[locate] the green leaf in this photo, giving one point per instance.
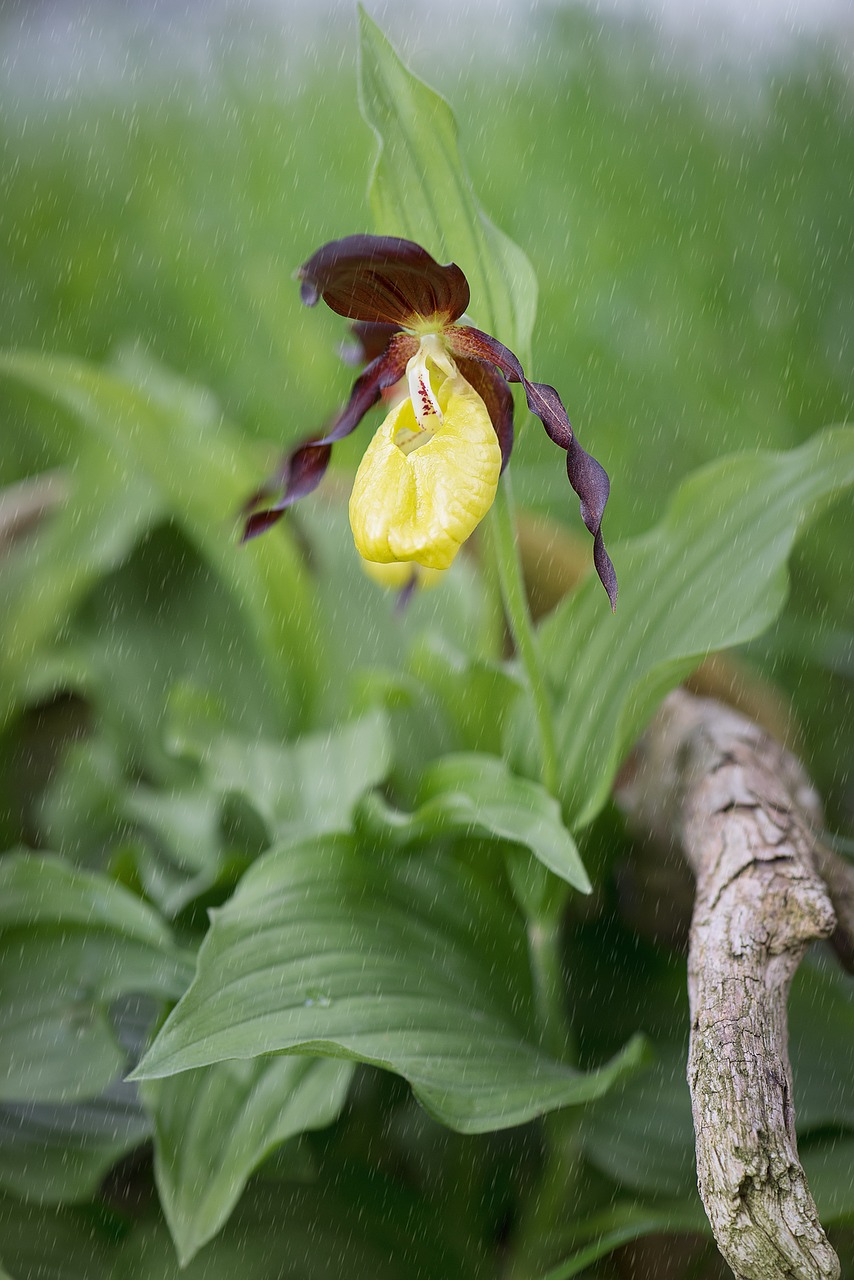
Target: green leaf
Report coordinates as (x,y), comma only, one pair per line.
(420,190)
(173,436)
(477,795)
(214,1126)
(642,1135)
(164,616)
(307,787)
(181,856)
(71,942)
(185,819)
(79,812)
(43,579)
(57,1154)
(620,1226)
(475,696)
(711,575)
(412,964)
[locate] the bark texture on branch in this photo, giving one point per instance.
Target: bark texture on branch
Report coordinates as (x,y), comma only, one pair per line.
(742,809)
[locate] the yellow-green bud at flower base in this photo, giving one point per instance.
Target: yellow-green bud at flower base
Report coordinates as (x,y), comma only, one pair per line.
(399,577)
(433,468)
(429,475)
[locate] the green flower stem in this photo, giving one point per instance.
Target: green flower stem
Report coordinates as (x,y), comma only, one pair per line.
(553,1201)
(506,555)
(493,629)
(544,950)
(554,1204)
(556,1199)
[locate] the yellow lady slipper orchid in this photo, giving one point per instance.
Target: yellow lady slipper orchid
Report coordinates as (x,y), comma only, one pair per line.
(432,470)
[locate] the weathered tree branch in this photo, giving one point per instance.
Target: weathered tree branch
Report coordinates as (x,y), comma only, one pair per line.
(742,810)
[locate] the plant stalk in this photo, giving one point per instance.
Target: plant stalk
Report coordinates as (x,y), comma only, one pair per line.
(506,555)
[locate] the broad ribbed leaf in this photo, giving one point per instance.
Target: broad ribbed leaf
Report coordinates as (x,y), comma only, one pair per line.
(415,964)
(477,795)
(70,944)
(307,787)
(711,575)
(214,1126)
(420,190)
(174,437)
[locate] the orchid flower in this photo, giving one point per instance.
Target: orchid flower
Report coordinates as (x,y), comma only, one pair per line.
(431,472)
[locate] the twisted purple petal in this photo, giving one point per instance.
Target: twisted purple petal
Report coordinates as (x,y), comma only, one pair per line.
(304,467)
(587,477)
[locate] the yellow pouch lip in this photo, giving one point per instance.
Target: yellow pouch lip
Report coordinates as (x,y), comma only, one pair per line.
(421,506)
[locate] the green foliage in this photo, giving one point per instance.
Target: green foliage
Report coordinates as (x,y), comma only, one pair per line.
(214,1126)
(175,438)
(712,575)
(70,944)
(60,1153)
(45,1244)
(335,807)
(94,531)
(477,795)
(383,960)
(309,787)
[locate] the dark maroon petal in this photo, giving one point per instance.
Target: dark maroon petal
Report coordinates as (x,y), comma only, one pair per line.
(383,280)
(368,341)
(498,398)
(542,399)
(300,474)
(383,372)
(587,477)
(590,481)
(304,467)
